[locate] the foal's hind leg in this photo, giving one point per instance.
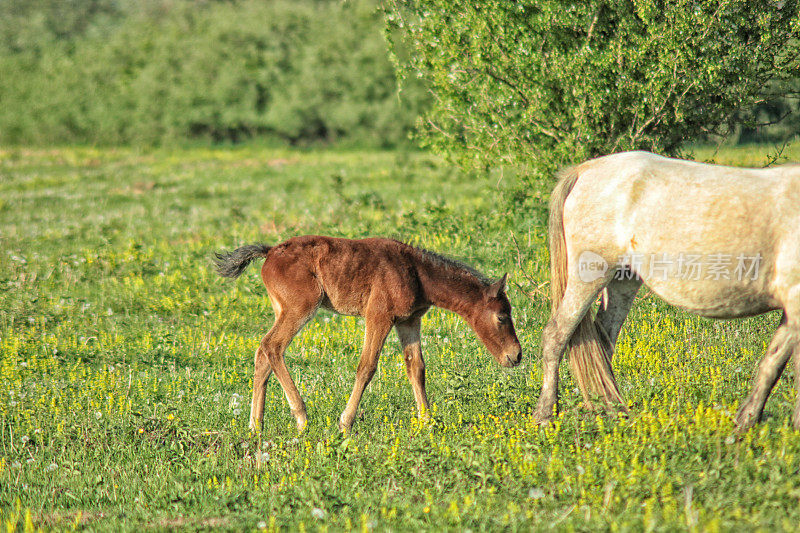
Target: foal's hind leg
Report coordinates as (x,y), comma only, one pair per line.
(260,376)
(377,328)
(274,344)
(295,296)
(617,301)
(577,300)
(409,334)
(770,368)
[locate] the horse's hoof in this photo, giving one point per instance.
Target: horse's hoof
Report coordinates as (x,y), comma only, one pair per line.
(744,421)
(623,413)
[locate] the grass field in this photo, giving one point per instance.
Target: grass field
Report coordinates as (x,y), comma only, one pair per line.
(126,364)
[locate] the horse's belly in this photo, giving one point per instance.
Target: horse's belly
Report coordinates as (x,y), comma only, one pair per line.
(714,299)
(714,284)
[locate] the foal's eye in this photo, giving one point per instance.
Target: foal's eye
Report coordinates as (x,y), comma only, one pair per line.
(503,319)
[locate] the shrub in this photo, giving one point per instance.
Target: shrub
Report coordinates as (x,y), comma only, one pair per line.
(549,82)
(161,72)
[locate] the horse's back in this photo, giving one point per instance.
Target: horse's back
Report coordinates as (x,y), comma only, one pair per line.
(657,213)
(687,202)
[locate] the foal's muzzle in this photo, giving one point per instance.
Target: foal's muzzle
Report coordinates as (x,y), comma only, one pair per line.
(513,358)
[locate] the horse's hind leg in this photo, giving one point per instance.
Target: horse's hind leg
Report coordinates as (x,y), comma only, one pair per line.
(409,334)
(260,376)
(770,368)
(796,417)
(577,301)
(617,300)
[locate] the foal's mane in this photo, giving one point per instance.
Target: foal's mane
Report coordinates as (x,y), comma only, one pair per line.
(448,262)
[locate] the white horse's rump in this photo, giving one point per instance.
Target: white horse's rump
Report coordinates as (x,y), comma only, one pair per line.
(719,241)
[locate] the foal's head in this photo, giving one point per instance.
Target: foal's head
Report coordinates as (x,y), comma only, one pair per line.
(492,322)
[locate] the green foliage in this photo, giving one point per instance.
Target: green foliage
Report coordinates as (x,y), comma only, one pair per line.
(126,366)
(161,72)
(555,81)
(775,120)
(33,25)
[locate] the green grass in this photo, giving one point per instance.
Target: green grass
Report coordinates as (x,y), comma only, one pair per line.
(126,364)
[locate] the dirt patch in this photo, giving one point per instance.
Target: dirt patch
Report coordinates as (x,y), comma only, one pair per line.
(68,519)
(61,519)
(181,521)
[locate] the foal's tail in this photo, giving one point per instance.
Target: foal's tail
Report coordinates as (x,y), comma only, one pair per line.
(232,264)
(589,357)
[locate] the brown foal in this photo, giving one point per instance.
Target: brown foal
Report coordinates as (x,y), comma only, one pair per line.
(387,282)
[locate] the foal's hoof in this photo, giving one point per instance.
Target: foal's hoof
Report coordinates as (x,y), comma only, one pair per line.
(343,425)
(425,418)
(544,413)
(542,419)
(300,417)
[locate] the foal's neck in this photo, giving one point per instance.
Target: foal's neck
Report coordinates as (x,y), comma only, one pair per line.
(450,288)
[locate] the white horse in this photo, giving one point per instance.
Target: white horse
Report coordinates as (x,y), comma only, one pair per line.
(718,241)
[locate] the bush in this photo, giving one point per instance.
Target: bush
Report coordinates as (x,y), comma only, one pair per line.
(161,72)
(555,81)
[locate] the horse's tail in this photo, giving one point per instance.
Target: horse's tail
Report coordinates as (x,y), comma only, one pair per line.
(589,357)
(558,242)
(232,264)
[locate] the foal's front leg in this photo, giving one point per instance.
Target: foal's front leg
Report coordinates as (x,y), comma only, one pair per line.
(377,328)
(409,334)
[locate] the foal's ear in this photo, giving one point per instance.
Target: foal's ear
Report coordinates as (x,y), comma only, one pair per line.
(498,286)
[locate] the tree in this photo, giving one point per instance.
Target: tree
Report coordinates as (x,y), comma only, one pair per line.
(548,82)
